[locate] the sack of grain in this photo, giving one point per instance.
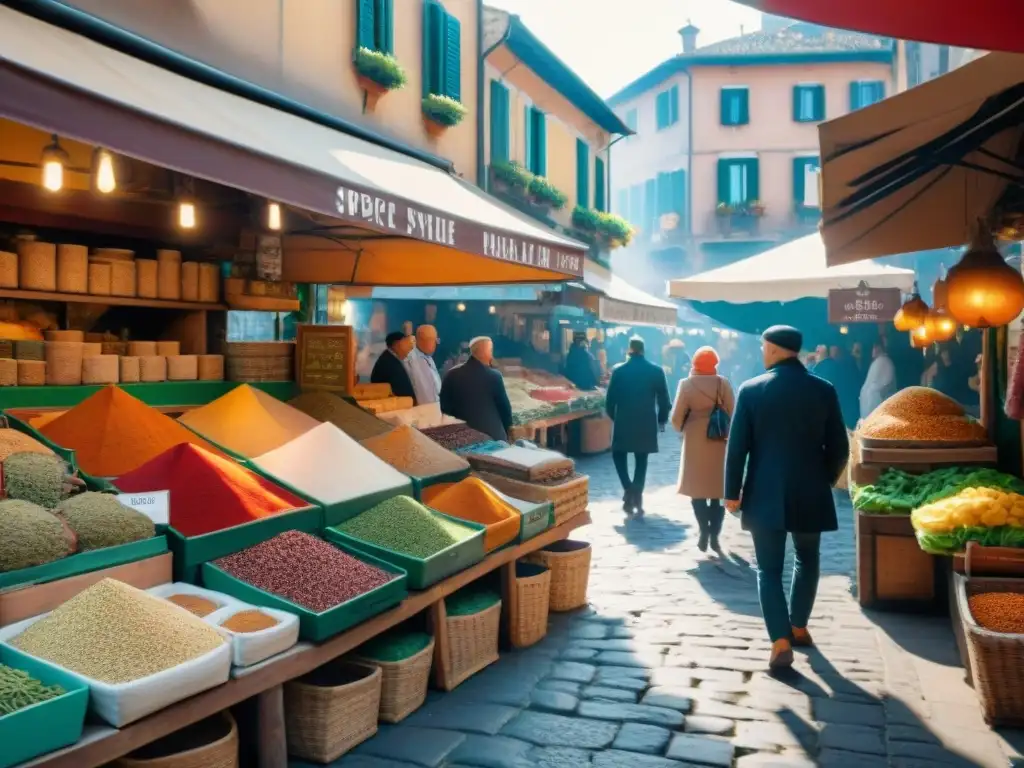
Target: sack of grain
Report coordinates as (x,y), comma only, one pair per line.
(141,348)
(64,363)
(8,269)
(8,372)
(209,283)
(211,368)
(146,278)
(168,269)
(91,349)
(99,278)
(190,281)
(122,278)
(168,348)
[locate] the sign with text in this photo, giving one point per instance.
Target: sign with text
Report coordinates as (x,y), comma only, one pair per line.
(156,505)
(325,357)
(863,305)
(615,311)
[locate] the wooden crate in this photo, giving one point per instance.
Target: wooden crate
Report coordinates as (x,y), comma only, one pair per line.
(892,571)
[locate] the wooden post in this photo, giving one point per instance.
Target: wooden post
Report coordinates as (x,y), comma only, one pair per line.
(271,737)
(439,625)
(508,600)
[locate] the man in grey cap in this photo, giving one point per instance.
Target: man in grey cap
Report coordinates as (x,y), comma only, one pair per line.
(787,447)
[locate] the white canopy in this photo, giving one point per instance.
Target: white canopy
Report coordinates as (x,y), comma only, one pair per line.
(792,271)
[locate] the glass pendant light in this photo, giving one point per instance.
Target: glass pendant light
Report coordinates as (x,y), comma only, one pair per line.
(983,290)
(53,161)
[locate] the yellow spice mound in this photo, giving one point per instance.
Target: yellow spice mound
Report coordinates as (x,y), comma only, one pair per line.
(934,429)
(914,402)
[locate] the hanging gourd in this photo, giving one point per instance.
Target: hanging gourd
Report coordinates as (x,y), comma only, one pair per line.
(983,291)
(938,323)
(912,314)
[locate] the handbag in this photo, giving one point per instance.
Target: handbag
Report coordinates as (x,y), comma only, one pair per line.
(718,421)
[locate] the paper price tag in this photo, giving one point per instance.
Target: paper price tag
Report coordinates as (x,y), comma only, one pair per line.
(156,505)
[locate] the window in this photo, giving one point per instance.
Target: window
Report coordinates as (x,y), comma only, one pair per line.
(632,120)
(375,25)
(582,174)
(737,181)
(801,166)
(735,105)
(442,52)
(866,92)
(499,122)
(622,203)
(647,224)
(535,128)
(667,108)
(636,205)
(599,185)
(672,194)
(808,103)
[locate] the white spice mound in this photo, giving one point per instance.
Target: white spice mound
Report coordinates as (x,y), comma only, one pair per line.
(327,465)
(529,457)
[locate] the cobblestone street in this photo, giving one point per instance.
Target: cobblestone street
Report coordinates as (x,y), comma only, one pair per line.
(666,668)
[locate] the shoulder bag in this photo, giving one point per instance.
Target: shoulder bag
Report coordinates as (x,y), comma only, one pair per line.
(718,421)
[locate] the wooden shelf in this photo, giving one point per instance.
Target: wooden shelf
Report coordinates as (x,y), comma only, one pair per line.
(100,745)
(113,301)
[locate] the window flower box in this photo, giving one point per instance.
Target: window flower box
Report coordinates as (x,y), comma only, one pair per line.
(377,73)
(441,113)
(602,229)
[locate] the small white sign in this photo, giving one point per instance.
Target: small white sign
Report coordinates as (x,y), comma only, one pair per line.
(156,505)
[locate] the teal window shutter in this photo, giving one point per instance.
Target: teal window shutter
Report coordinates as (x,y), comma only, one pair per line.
(622,203)
(452,57)
(540,143)
(661,110)
(636,204)
(600,185)
(753,182)
(855,92)
(798,115)
(650,205)
(879,91)
(744,96)
(365,24)
(723,109)
(385,25)
(664,181)
(528,137)
(677,194)
(799,188)
(499,122)
(673,103)
(724,192)
(433,48)
(631,120)
(582,173)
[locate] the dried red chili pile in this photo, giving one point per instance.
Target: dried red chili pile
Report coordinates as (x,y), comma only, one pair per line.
(999,611)
(552,394)
(304,569)
(455,436)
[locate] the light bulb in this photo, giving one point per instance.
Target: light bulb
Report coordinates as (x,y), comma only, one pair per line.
(492,309)
(461,307)
(274,217)
(106,179)
(54,160)
(186,215)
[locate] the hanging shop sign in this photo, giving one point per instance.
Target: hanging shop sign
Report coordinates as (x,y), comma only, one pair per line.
(614,311)
(863,305)
(325,357)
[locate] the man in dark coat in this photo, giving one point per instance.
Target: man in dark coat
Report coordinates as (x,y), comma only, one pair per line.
(392,365)
(580,365)
(787,447)
(638,404)
(475,392)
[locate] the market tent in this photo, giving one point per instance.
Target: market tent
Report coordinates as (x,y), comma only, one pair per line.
(617,301)
(382,217)
(917,171)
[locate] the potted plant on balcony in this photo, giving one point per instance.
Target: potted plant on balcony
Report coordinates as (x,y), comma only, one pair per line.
(510,177)
(377,73)
(745,217)
(604,229)
(546,195)
(723,214)
(441,113)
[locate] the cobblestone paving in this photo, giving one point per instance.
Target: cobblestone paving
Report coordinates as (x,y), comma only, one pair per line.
(666,668)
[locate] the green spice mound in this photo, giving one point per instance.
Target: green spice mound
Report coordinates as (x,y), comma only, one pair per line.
(470,600)
(18,689)
(101,521)
(405,526)
(29,536)
(394,646)
(35,477)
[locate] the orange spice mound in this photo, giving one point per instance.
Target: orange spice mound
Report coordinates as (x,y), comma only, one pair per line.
(112,433)
(474,500)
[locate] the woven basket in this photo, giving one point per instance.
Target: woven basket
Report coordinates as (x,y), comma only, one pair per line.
(146,278)
(222,753)
(141,348)
(569,563)
(529,621)
(7,349)
(31,373)
(122,278)
(472,645)
(569,497)
(262,349)
(29,350)
(64,335)
(72,269)
(8,269)
(152,368)
(254,369)
(8,372)
(91,349)
(129,370)
(99,278)
(168,348)
(209,283)
(182,368)
(114,348)
(403,683)
(64,363)
(190,281)
(324,722)
(101,369)
(37,265)
(211,368)
(168,275)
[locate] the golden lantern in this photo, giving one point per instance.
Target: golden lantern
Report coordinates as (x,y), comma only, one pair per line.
(939,326)
(912,314)
(919,338)
(983,291)
(940,294)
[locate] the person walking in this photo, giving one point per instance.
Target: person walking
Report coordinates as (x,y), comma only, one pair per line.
(426,381)
(702,465)
(474,392)
(637,402)
(392,367)
(787,446)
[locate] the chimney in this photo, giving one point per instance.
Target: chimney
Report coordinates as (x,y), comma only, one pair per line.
(689,35)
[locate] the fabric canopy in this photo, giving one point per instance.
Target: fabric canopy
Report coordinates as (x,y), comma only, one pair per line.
(796,270)
(917,171)
(432,227)
(620,302)
(983,24)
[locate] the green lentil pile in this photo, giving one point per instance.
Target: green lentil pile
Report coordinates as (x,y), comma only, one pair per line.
(30,536)
(405,526)
(18,690)
(115,633)
(100,520)
(350,419)
(35,477)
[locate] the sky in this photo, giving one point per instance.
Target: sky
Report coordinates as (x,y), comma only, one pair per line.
(635,40)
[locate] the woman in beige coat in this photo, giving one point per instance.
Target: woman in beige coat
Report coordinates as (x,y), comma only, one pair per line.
(702,467)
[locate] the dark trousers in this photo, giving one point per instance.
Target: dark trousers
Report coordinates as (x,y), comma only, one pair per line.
(770,550)
(636,485)
(710,514)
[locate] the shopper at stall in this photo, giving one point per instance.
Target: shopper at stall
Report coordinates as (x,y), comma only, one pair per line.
(580,365)
(880,382)
(787,447)
(392,367)
(475,392)
(702,465)
(637,401)
(426,381)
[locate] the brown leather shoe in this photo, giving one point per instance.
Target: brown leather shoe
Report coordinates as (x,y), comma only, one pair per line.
(782,655)
(802,638)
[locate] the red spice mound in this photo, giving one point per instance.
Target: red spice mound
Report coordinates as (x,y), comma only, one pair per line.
(552,395)
(208,493)
(304,569)
(999,611)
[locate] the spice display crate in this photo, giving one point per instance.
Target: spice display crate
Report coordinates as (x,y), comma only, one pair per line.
(46,726)
(91,483)
(420,483)
(422,571)
(317,627)
(892,571)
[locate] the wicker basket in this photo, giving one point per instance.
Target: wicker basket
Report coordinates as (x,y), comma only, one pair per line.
(7,349)
(152,368)
(8,372)
(114,348)
(211,368)
(37,265)
(31,373)
(528,623)
(190,281)
(101,369)
(29,349)
(168,348)
(182,368)
(569,497)
(569,563)
(141,348)
(122,278)
(168,271)
(64,363)
(72,269)
(129,370)
(221,753)
(324,720)
(8,269)
(99,278)
(146,278)
(91,349)
(472,644)
(64,335)
(403,683)
(209,283)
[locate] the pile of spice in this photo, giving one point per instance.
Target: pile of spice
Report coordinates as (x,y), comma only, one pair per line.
(455,436)
(405,526)
(473,499)
(248,421)
(31,536)
(112,433)
(305,570)
(40,420)
(12,441)
(208,493)
(99,520)
(115,633)
(194,604)
(327,465)
(921,414)
(350,419)
(18,689)
(395,645)
(410,451)
(35,477)
(552,394)
(999,611)
(249,621)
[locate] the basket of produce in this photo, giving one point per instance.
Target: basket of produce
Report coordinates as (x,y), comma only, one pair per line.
(507,520)
(899,493)
(210,743)
(427,545)
(528,623)
(569,563)
(472,619)
(414,454)
(992,517)
(330,586)
(137,652)
(920,417)
(404,660)
(350,419)
(569,497)
(331,710)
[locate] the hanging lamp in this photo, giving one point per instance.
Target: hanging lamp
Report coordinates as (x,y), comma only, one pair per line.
(938,323)
(53,162)
(983,291)
(912,314)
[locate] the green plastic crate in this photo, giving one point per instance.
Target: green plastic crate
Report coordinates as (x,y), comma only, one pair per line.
(317,627)
(43,727)
(423,572)
(537,518)
(92,483)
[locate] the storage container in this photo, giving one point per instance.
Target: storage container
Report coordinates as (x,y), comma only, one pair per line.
(152,368)
(528,622)
(99,278)
(8,269)
(209,283)
(64,362)
(190,281)
(122,278)
(142,348)
(569,563)
(37,265)
(182,368)
(8,372)
(210,743)
(31,373)
(129,369)
(168,282)
(168,348)
(404,683)
(469,644)
(210,368)
(146,278)
(101,369)
(72,269)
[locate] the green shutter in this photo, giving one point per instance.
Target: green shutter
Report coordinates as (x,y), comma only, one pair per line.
(797,114)
(600,185)
(673,105)
(753,180)
(723,181)
(744,107)
(799,165)
(650,205)
(386,31)
(677,194)
(540,142)
(528,137)
(365,30)
(452,57)
(582,174)
(854,95)
(723,107)
(430,16)
(499,122)
(664,181)
(819,102)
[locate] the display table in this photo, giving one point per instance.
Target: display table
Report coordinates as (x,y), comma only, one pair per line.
(100,744)
(537,431)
